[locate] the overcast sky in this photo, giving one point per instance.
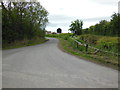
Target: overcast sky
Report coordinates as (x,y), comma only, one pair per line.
(62,12)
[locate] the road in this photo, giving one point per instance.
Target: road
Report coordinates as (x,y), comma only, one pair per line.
(46,66)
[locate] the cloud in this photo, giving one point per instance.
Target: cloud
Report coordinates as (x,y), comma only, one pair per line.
(96,19)
(60,18)
(106,2)
(58,24)
(64,20)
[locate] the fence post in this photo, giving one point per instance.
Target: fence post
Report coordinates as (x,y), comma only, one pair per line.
(73,43)
(77,44)
(86,48)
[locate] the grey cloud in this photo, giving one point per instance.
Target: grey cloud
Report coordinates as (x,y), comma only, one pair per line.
(52,25)
(106,2)
(62,20)
(58,24)
(96,19)
(65,19)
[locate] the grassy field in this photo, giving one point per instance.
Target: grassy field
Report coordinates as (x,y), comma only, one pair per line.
(24,43)
(100,42)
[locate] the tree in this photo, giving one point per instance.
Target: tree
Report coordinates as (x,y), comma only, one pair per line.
(76,27)
(102,27)
(23,20)
(106,28)
(115,24)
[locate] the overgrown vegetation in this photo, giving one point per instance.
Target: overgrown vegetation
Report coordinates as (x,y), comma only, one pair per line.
(22,21)
(101,42)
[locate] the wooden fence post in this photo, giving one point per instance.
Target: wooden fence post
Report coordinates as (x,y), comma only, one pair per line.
(86,48)
(73,43)
(77,45)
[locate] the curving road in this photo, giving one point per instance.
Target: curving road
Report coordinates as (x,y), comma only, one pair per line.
(46,66)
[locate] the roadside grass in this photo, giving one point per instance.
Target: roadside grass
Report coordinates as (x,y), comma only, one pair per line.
(24,43)
(99,58)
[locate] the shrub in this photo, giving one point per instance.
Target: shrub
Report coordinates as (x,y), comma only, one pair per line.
(108,43)
(90,39)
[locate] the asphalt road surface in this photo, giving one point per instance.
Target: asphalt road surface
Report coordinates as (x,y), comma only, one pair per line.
(46,66)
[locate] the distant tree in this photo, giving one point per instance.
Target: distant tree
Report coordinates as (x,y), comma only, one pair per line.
(76,27)
(106,28)
(115,24)
(59,30)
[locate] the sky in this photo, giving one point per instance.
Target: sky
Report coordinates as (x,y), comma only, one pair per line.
(63,12)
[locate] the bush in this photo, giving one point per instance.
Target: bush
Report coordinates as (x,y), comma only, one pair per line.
(90,39)
(108,43)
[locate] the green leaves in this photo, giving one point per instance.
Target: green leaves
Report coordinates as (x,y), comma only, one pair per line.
(76,27)
(106,28)
(23,20)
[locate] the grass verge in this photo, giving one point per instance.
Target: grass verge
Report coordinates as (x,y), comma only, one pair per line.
(100,58)
(24,43)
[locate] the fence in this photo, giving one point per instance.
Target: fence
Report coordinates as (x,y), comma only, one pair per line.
(88,49)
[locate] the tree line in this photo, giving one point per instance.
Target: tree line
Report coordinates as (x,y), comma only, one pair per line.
(23,20)
(104,28)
